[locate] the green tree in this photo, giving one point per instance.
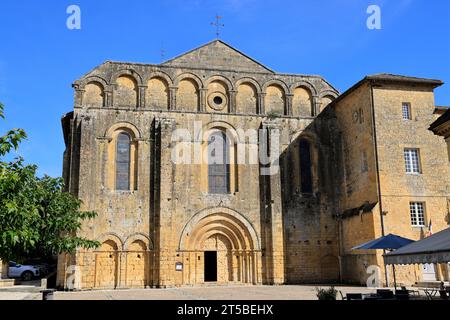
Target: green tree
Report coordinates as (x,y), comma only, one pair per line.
(37,219)
(12,138)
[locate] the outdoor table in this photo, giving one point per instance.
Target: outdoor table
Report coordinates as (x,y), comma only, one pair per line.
(370,296)
(430,292)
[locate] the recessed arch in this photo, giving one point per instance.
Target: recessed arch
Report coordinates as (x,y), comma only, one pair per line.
(188,95)
(333,94)
(138,237)
(248,91)
(83,82)
(304,84)
(275,98)
(326,97)
(94,94)
(122,164)
(217,94)
(312,137)
(325,101)
(248,80)
(161,75)
(276,82)
(233,217)
(126,91)
(125,126)
(305,155)
(112,237)
(130,72)
(232,133)
(218,78)
(189,76)
(212,230)
(157,92)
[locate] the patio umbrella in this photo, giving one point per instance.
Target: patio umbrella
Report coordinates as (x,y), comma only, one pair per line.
(390,242)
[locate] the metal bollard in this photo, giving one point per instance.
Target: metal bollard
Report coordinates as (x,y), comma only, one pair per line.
(48,294)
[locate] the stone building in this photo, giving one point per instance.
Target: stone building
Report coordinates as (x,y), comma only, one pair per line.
(394,172)
(336,167)
(441,126)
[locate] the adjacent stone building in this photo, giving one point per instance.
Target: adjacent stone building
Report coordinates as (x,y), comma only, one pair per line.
(141,151)
(394,173)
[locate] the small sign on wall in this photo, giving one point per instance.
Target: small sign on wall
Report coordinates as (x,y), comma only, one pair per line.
(178,266)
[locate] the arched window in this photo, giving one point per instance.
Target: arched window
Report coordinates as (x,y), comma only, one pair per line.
(306,184)
(123,152)
(218,163)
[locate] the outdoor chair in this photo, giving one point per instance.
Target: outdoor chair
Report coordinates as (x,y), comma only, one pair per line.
(342,295)
(385,294)
(402,294)
(443,294)
(354,296)
(412,292)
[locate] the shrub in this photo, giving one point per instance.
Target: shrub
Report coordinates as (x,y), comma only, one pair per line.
(326,294)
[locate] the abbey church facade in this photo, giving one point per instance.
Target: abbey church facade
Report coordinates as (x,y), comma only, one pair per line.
(346,169)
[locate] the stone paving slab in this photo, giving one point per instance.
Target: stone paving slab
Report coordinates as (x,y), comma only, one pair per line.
(208,293)
(292,292)
(9,295)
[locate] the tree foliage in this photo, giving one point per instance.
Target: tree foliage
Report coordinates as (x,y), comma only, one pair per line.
(12,138)
(37,219)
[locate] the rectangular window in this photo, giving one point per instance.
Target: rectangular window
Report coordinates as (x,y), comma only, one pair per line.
(305,167)
(417,212)
(406,111)
(412,161)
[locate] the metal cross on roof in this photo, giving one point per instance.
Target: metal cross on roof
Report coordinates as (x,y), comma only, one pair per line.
(218,25)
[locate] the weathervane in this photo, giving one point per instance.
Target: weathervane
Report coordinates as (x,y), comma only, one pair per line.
(218,25)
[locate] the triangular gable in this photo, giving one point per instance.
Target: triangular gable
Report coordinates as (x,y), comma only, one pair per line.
(217,55)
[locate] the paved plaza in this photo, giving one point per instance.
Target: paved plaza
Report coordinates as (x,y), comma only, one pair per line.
(291,292)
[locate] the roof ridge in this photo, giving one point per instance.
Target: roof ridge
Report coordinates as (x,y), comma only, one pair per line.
(225,44)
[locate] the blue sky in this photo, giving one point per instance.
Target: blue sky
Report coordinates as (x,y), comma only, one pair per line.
(40,57)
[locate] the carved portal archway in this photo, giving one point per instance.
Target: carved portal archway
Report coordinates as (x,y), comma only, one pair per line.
(232,240)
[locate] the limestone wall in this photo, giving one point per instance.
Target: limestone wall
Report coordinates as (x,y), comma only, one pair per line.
(150,103)
(398,189)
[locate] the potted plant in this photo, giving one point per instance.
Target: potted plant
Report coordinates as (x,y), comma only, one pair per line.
(326,294)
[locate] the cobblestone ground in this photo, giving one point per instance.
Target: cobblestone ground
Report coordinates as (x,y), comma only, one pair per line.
(192,293)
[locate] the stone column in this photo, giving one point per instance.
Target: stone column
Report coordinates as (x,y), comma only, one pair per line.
(78,96)
(289,102)
(173,97)
(122,269)
(202,97)
(141,96)
(261,104)
(317,104)
(232,103)
(242,266)
(249,266)
(165,197)
(107,98)
(274,242)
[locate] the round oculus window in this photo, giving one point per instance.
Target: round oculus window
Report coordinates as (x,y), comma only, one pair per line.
(217,101)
